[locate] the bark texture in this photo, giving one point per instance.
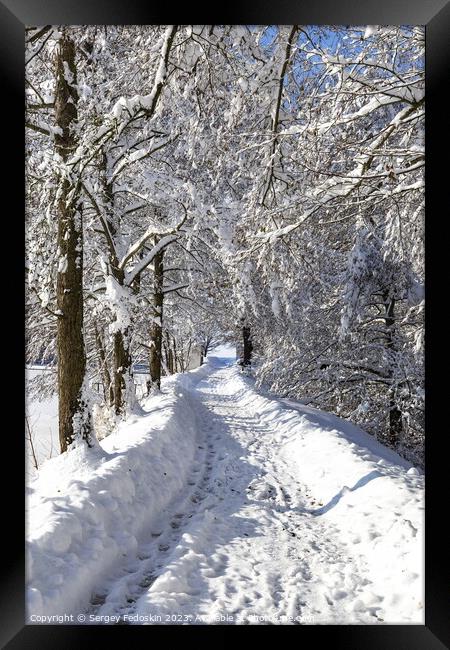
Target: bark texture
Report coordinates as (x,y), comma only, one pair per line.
(248,346)
(156,331)
(395,414)
(74,418)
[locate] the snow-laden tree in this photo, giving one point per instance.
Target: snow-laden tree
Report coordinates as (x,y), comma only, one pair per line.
(131,192)
(74,412)
(264,180)
(337,255)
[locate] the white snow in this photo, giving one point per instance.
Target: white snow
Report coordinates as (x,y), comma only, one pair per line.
(42,424)
(220,504)
(147,259)
(370,30)
(134,104)
(87,508)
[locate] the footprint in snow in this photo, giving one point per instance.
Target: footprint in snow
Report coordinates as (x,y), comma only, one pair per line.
(373,535)
(147,581)
(261,490)
(98,599)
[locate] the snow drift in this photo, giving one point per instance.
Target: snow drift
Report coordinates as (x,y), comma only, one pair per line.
(87,509)
(341,515)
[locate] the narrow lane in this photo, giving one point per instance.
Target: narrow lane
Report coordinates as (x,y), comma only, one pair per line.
(241,544)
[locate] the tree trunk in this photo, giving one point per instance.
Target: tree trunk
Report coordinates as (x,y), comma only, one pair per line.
(175,355)
(156,326)
(395,421)
(186,360)
(123,378)
(248,346)
(74,417)
(108,389)
(395,415)
(123,385)
(169,354)
(206,346)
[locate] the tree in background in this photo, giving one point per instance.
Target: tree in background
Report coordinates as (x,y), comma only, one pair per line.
(263,180)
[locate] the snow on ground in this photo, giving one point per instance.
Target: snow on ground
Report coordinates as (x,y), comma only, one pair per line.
(222,505)
(87,508)
(224,351)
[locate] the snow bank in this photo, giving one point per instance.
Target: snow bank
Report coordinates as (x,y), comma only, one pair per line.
(87,509)
(372,496)
(359,502)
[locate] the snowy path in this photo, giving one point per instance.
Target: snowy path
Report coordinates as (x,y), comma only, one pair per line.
(247,538)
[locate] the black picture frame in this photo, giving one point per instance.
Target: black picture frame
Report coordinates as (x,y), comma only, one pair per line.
(435,15)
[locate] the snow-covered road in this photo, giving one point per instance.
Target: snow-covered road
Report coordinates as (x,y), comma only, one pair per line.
(285,517)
